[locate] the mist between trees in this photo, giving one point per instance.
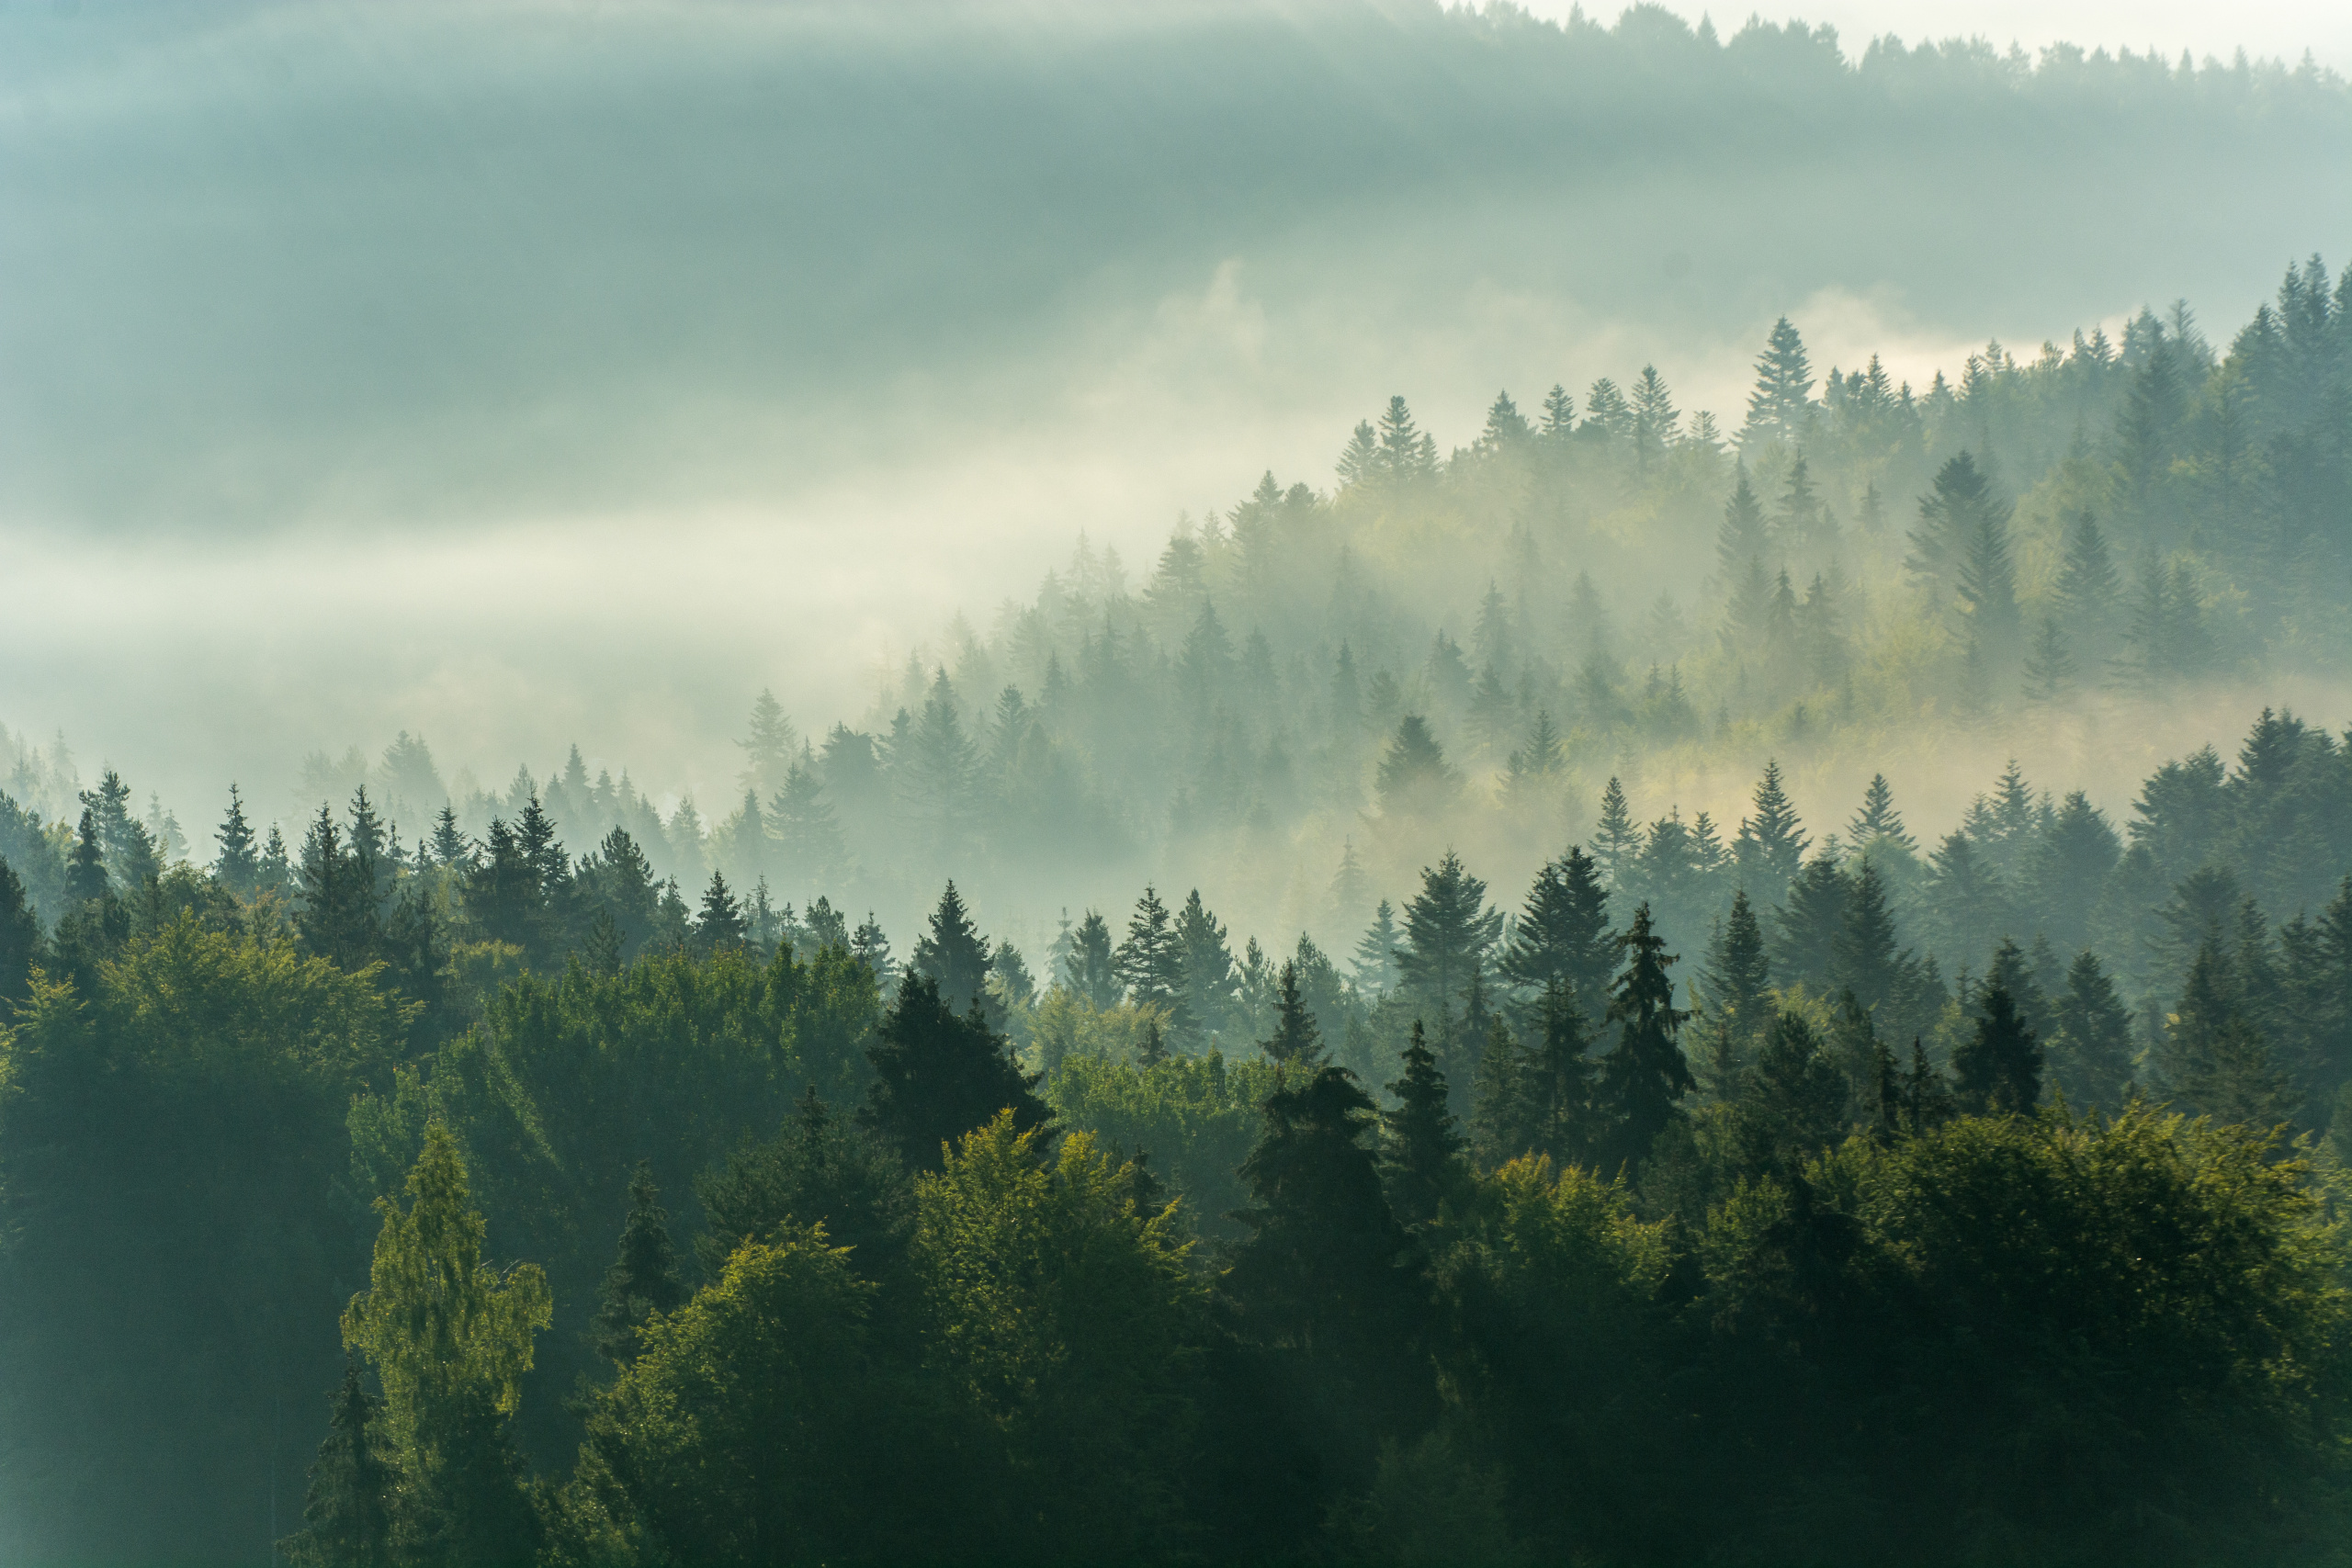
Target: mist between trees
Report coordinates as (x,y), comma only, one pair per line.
(1851,1189)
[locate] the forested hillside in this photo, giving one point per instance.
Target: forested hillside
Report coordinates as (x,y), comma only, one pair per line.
(1570,1142)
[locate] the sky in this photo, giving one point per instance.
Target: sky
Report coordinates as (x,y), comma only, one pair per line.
(526,374)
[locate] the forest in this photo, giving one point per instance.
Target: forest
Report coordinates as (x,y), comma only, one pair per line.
(1644,987)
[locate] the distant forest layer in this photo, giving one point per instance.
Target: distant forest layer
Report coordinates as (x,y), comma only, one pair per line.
(1845,1190)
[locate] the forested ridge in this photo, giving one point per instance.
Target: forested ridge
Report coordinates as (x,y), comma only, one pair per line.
(556,1177)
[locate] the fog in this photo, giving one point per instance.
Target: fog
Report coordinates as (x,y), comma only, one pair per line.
(526,375)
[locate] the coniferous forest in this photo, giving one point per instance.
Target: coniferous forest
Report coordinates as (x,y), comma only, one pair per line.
(1671,1081)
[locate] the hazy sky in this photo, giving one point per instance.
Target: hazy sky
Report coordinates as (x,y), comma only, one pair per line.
(526,374)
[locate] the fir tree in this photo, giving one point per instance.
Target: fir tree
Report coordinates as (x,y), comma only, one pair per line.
(769,750)
(1743,537)
(1807,928)
(1770,848)
(871,948)
(720,923)
(2090,1049)
(1414,778)
(2048,666)
(1088,971)
(1615,839)
(238,865)
(1878,819)
(1997,1069)
(643,1282)
(1421,1152)
(1559,414)
(1793,1102)
(1296,1044)
(938,1074)
(1374,964)
(1448,931)
(86,865)
(21,941)
(954,956)
(1207,965)
(1151,960)
(1644,1075)
(1738,970)
(449,845)
(1563,936)
(1863,958)
(348,1516)
(1781,406)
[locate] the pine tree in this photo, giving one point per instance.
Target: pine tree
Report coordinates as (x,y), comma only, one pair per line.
(1743,537)
(642,1282)
(1505,427)
(449,845)
(1798,518)
(1738,971)
(938,1074)
(21,941)
(1296,1044)
(1985,584)
(2091,1051)
(1414,778)
(1781,406)
(1644,1075)
(820,1168)
(720,925)
(238,865)
(348,1516)
(1151,960)
(1807,928)
(1793,1103)
(1559,414)
(1563,935)
(1088,971)
(1997,1070)
(1878,819)
(277,874)
(1374,964)
(1863,958)
(871,948)
(1657,425)
(86,865)
(1615,839)
(769,750)
(1770,848)
(2049,665)
(1420,1154)
(954,956)
(2088,588)
(1207,965)
(1448,931)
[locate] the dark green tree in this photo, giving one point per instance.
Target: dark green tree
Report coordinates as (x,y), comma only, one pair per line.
(239,863)
(1644,1077)
(1616,840)
(1296,1044)
(1087,969)
(1997,1070)
(1563,936)
(820,1168)
(720,925)
(1770,848)
(938,1074)
(1792,1103)
(1420,1150)
(1863,958)
(20,942)
(643,1282)
(1448,932)
(954,956)
(347,1516)
(1151,960)
(2090,1049)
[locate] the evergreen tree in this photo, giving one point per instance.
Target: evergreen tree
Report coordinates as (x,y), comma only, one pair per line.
(2090,1049)
(769,750)
(1997,1069)
(2214,1058)
(2049,664)
(1559,414)
(1770,848)
(449,845)
(820,1168)
(1088,970)
(1151,961)
(1781,406)
(1296,1044)
(1615,839)
(86,866)
(19,938)
(642,1282)
(1644,1075)
(1738,970)
(1209,979)
(1806,930)
(238,865)
(1421,1152)
(1448,931)
(1563,936)
(871,948)
(720,924)
(2088,588)
(1793,1103)
(1414,778)
(938,1074)
(348,1516)
(1374,964)
(954,956)
(1878,819)
(1743,537)
(1862,958)
(1799,513)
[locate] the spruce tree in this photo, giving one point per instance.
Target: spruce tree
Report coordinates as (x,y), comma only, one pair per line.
(1793,1102)
(19,938)
(239,864)
(1807,927)
(1615,839)
(1421,1151)
(1878,819)
(450,847)
(1448,931)
(820,1168)
(1415,779)
(871,948)
(2049,664)
(1562,936)
(1374,964)
(1770,848)
(954,956)
(347,1516)
(1644,1075)
(1087,970)
(720,925)
(1863,958)
(643,1282)
(1781,405)
(938,1074)
(1296,1044)
(1997,1070)
(1209,980)
(1738,970)
(85,863)
(2090,1049)
(1743,537)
